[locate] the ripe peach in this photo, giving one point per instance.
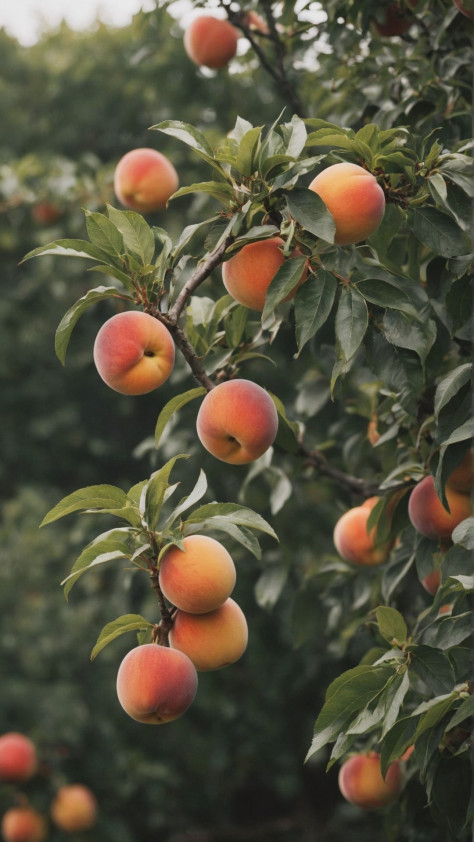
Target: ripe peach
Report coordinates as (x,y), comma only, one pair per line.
(361,782)
(249,273)
(428,514)
(352,540)
(237,421)
(74,807)
(353,197)
(18,758)
(211,41)
(23,824)
(200,578)
(144,179)
(156,684)
(133,353)
(461,478)
(211,640)
(432,581)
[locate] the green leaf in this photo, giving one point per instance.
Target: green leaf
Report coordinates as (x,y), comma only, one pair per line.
(464,534)
(269,586)
(70,319)
(218,189)
(172,406)
(241,535)
(283,283)
(90,498)
(156,491)
(405,332)
(391,625)
(109,546)
(104,234)
(196,494)
(191,137)
(396,741)
(137,235)
(351,323)
(464,711)
(233,513)
(433,667)
(123,624)
(450,386)
(451,795)
(433,711)
(387,295)
(248,147)
(307,208)
(70,248)
(438,231)
(313,304)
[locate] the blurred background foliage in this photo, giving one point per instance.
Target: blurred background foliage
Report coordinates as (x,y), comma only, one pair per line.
(232,768)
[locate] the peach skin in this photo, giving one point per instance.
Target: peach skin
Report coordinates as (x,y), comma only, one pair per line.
(460,479)
(156,684)
(200,578)
(18,758)
(352,540)
(354,198)
(211,41)
(23,824)
(237,421)
(74,808)
(361,782)
(133,353)
(248,274)
(212,640)
(144,179)
(427,513)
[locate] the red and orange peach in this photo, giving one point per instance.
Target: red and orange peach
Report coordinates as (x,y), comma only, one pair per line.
(23,824)
(353,197)
(248,274)
(200,577)
(361,782)
(18,757)
(212,640)
(354,542)
(429,516)
(74,808)
(211,41)
(144,180)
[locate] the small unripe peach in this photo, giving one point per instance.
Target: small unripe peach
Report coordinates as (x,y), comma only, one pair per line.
(237,421)
(23,824)
(211,41)
(212,640)
(427,513)
(354,198)
(144,179)
(361,782)
(248,274)
(354,542)
(200,577)
(134,353)
(156,684)
(74,808)
(18,758)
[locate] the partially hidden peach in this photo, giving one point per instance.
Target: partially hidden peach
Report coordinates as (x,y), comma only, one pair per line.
(212,640)
(353,197)
(429,516)
(18,757)
(465,7)
(211,41)
(394,19)
(23,824)
(237,421)
(432,581)
(134,353)
(156,684)
(144,179)
(361,782)
(74,808)
(460,479)
(200,577)
(354,542)
(248,274)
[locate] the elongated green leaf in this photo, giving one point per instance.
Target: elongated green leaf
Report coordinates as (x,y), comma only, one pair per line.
(438,231)
(248,149)
(172,406)
(218,189)
(450,386)
(464,711)
(433,667)
(387,295)
(404,332)
(397,740)
(310,211)
(269,586)
(313,304)
(233,513)
(191,137)
(196,494)
(70,248)
(90,498)
(351,323)
(123,624)
(109,546)
(242,535)
(433,712)
(104,234)
(156,491)
(70,319)
(283,283)
(137,235)
(391,625)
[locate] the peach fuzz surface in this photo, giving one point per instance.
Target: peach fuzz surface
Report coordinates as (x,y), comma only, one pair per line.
(23,824)
(18,758)
(352,540)
(212,640)
(427,513)
(361,782)
(200,577)
(237,421)
(133,353)
(144,179)
(156,684)
(211,41)
(353,197)
(248,274)
(74,808)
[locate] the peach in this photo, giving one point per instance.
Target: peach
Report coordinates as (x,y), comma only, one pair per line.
(45,212)
(361,782)
(144,179)
(248,274)
(464,7)
(18,758)
(256,22)
(74,808)
(461,478)
(212,640)
(395,19)
(200,577)
(352,540)
(407,753)
(133,353)
(156,684)
(354,198)
(23,824)
(432,581)
(211,41)
(237,421)
(429,516)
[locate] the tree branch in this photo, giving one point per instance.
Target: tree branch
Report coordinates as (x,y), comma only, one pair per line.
(203,271)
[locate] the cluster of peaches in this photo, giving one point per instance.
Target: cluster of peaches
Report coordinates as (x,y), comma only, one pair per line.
(73,808)
(157,683)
